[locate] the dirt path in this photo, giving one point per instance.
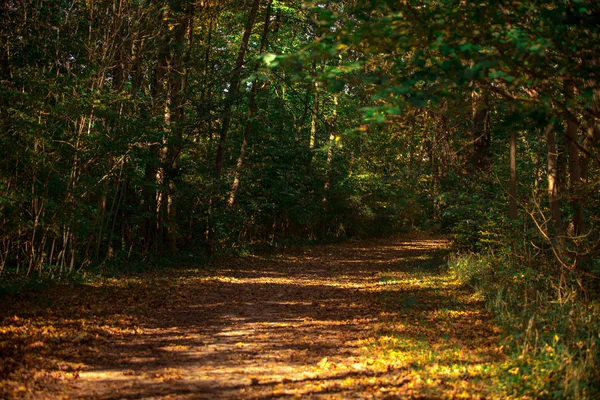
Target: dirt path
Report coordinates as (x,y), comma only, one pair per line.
(369,319)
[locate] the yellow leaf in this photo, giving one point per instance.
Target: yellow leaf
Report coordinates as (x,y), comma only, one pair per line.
(323,363)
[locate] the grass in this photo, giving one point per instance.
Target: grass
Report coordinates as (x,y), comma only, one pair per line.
(551,333)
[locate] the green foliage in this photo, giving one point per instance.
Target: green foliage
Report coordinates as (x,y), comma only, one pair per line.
(361,118)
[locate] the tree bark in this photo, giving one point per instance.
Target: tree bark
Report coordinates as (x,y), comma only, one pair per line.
(226,122)
(234,89)
(512,191)
(169,88)
(592,133)
(252,109)
(177,85)
(481,131)
(590,142)
(553,182)
(441,154)
(332,138)
(574,166)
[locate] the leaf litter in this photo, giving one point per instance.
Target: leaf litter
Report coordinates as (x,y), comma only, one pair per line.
(363,319)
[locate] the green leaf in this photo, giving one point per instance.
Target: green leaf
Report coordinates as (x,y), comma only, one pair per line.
(393,110)
(270,60)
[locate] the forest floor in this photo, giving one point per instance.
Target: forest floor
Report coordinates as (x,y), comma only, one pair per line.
(363,319)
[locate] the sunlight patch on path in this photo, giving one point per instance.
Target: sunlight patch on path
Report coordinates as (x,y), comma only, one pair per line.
(369,319)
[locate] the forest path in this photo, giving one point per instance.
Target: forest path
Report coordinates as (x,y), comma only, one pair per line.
(363,319)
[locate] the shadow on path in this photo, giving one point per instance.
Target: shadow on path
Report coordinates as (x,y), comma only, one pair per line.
(357,320)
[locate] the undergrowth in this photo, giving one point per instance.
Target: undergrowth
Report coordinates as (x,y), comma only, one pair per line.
(551,324)
(17,283)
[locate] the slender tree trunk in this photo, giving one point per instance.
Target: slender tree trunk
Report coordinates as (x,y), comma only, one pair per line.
(177,85)
(312,143)
(307,104)
(441,151)
(512,191)
(332,138)
(553,182)
(590,141)
(153,174)
(592,134)
(252,109)
(481,131)
(205,91)
(306,109)
(574,166)
(234,89)
(159,149)
(226,123)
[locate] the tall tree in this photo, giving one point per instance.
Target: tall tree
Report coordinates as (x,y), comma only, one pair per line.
(252,110)
(233,89)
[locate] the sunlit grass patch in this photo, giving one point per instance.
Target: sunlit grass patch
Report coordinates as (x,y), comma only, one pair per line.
(418,280)
(435,369)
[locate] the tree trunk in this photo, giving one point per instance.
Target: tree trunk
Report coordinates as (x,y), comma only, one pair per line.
(512,191)
(169,88)
(312,143)
(592,134)
(234,89)
(226,122)
(590,142)
(481,131)
(553,182)
(574,166)
(252,108)
(332,139)
(441,154)
(177,85)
